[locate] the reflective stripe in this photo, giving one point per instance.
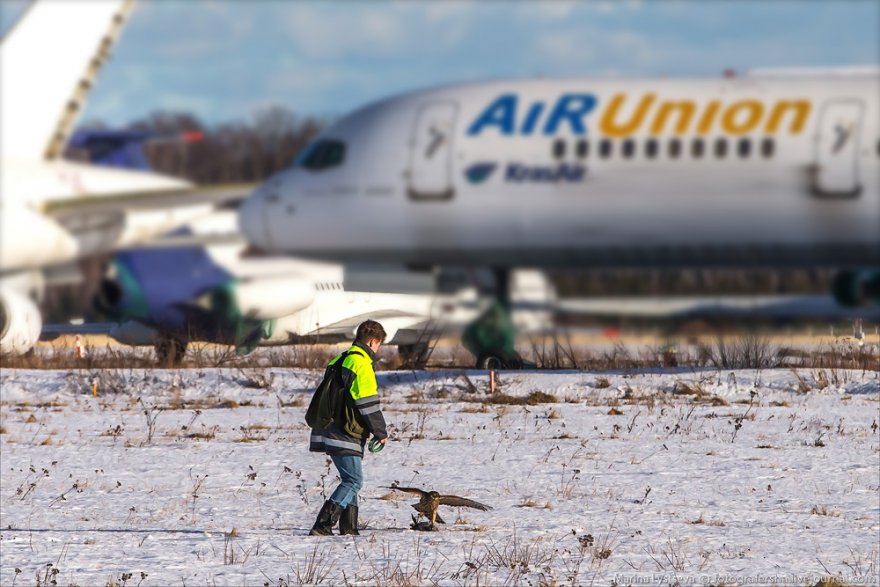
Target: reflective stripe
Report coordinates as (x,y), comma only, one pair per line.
(343,444)
(366,401)
(315,439)
(369,410)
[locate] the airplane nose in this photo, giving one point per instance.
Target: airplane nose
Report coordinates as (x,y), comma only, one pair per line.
(252,220)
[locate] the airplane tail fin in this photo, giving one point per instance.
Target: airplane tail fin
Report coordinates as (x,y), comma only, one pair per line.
(50,59)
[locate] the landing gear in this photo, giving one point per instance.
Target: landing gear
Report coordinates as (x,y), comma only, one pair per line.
(498,359)
(414,355)
(169,350)
(492,335)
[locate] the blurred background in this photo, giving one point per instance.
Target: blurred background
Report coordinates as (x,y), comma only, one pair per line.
(227,92)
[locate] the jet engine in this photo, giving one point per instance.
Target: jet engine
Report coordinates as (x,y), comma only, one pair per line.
(20,323)
(856,288)
(271,298)
(194,299)
(29,239)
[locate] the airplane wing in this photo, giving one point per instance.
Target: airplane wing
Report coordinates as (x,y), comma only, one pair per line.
(392,321)
(223,196)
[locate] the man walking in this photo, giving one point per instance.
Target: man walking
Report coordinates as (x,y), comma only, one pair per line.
(341,428)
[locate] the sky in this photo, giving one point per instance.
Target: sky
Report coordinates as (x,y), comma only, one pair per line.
(225,60)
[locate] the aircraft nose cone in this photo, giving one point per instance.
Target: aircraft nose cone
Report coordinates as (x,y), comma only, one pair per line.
(252,221)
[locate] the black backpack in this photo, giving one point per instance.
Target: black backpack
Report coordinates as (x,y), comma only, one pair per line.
(327,400)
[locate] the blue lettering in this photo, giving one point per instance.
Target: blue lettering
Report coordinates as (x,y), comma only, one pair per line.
(570,107)
(515,172)
(501,113)
(532,118)
(563,173)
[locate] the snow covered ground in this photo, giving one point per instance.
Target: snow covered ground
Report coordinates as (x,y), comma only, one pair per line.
(201,477)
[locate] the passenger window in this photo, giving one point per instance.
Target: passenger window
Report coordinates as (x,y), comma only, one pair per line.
(651,148)
(721,148)
(674,148)
(767,147)
(744,148)
(629,147)
(559,148)
(583,148)
(698,147)
(605,148)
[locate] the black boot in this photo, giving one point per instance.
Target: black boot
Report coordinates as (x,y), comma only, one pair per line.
(348,523)
(327,518)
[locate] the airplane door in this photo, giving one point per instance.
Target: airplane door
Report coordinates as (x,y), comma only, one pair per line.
(430,167)
(837,149)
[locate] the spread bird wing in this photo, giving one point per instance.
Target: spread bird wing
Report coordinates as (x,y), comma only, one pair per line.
(457,501)
(409,489)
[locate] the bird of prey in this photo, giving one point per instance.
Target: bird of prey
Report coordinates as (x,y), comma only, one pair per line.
(429,501)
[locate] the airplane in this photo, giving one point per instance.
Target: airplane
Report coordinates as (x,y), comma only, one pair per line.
(769,169)
(169,295)
(54,211)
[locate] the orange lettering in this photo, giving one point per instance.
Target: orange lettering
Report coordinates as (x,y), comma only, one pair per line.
(708,117)
(610,127)
(730,123)
(684,110)
(801,109)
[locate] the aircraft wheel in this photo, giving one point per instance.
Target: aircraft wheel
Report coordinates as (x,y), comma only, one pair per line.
(169,350)
(413,355)
(499,360)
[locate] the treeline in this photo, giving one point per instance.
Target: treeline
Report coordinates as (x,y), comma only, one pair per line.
(235,152)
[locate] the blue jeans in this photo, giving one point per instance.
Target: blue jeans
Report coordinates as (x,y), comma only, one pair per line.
(352,475)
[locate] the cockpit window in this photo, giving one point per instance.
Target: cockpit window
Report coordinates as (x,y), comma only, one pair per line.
(322,155)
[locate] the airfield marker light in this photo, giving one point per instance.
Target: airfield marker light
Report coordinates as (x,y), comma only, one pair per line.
(78,350)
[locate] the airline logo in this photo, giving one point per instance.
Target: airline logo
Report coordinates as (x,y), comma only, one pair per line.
(625,115)
(479,172)
(522,173)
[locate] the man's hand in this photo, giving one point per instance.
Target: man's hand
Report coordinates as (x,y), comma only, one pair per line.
(384,440)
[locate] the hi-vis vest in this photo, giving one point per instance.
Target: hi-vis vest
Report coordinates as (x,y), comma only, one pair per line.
(356,413)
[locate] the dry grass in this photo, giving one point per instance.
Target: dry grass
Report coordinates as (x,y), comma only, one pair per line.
(474,409)
(688,388)
(203,435)
(824,510)
(601,383)
(199,355)
(531,503)
(702,520)
(533,399)
(829,582)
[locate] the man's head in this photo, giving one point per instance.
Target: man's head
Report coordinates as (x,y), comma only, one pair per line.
(371,334)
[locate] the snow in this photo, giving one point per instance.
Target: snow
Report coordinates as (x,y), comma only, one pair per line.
(198,477)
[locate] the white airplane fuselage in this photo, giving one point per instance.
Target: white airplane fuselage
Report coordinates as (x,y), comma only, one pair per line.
(758,170)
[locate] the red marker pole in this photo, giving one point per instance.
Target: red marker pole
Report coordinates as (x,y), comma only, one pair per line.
(492,381)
